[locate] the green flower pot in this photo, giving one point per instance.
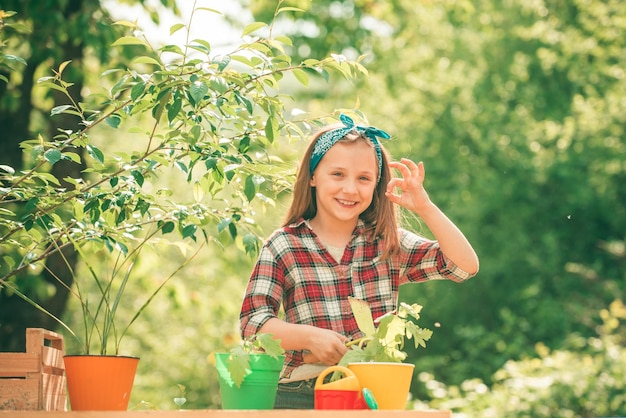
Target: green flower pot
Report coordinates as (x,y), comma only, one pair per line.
(258,390)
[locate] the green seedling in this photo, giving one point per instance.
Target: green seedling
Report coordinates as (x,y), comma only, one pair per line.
(238,363)
(181,399)
(385,342)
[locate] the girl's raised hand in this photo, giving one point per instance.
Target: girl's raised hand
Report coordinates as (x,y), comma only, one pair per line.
(412,194)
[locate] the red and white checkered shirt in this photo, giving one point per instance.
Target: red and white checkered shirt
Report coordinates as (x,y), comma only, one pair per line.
(295,269)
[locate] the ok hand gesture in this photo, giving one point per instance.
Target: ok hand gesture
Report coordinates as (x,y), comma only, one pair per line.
(412,194)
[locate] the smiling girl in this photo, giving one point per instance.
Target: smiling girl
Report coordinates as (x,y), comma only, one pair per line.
(341,238)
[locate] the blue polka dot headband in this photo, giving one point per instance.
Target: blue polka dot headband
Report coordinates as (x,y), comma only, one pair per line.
(330,138)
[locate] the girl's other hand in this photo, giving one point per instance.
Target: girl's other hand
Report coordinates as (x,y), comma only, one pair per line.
(326,346)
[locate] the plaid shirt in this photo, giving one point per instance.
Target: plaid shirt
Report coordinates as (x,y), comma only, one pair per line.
(295,269)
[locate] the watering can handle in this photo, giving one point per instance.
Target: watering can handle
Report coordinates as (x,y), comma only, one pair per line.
(320,379)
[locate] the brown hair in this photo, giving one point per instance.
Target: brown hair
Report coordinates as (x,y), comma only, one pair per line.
(379,218)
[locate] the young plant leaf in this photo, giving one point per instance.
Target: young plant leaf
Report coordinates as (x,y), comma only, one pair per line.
(363,315)
(238,365)
(270,345)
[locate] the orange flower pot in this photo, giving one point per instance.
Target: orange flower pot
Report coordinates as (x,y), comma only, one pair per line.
(100,383)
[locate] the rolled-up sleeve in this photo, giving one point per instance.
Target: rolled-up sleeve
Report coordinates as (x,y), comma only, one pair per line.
(423,260)
(263,294)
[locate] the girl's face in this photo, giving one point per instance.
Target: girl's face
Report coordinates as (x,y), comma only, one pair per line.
(344,181)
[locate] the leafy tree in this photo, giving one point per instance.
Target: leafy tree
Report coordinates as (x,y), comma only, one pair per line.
(215,119)
(40,35)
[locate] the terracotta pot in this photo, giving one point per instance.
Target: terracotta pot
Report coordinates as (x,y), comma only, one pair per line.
(100,383)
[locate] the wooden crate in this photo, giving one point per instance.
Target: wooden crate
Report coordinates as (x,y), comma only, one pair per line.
(34,380)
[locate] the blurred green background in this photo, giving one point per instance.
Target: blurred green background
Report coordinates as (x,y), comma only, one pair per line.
(518,110)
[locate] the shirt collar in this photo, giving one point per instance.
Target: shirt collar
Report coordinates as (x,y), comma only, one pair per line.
(360,226)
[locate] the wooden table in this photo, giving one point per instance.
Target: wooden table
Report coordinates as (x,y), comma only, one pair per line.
(217,413)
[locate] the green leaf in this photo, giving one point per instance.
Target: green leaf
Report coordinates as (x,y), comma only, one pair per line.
(270,130)
(223,224)
(31,205)
(284,39)
(7,168)
(57,110)
(203,45)
(142,206)
(53,156)
(211,163)
(222,61)
(363,315)
(113,121)
(242,99)
(355,355)
(238,366)
(71,156)
(48,178)
(14,59)
(175,28)
(232,229)
(174,108)
(252,27)
(95,153)
(181,165)
(208,9)
(129,40)
(244,144)
(138,177)
(196,132)
(419,335)
(198,90)
(146,60)
(9,262)
(174,49)
(394,330)
(189,231)
(405,310)
(198,191)
(219,84)
(167,227)
(249,188)
(137,90)
(289,9)
(250,243)
(164,98)
(90,205)
(125,23)
(270,345)
(62,66)
(301,76)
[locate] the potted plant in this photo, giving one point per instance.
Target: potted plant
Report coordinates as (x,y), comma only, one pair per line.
(99,377)
(377,357)
(249,373)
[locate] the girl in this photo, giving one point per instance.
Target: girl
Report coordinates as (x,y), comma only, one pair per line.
(340,238)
